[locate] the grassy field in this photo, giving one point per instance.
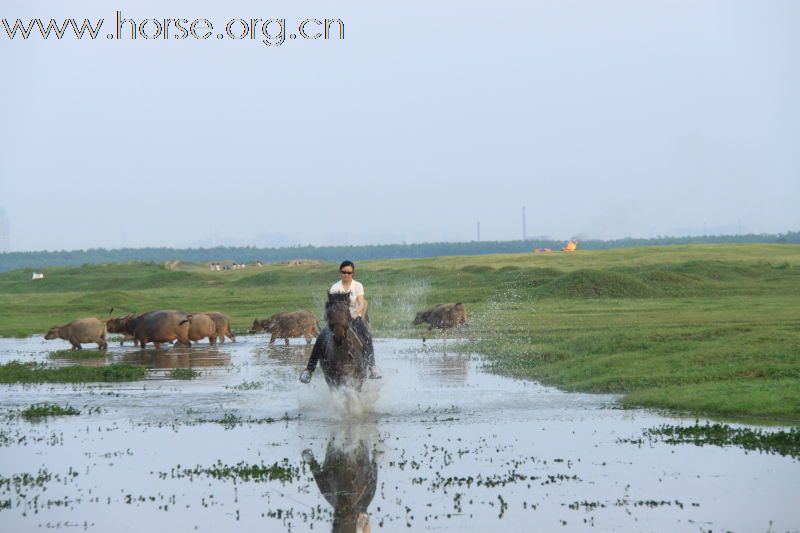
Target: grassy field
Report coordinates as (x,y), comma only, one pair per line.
(711,329)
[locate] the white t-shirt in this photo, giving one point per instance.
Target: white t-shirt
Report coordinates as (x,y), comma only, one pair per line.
(356,290)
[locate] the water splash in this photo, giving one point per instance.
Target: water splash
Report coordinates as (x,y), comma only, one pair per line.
(407,298)
(343,403)
(349,402)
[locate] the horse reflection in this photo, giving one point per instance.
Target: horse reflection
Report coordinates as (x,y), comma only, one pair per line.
(347,478)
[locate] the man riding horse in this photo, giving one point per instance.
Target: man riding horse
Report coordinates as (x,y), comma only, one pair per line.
(358,310)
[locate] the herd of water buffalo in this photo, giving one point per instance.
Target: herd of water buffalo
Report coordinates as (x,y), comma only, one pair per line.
(159,327)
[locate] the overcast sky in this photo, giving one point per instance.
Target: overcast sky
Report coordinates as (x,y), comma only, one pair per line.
(604,118)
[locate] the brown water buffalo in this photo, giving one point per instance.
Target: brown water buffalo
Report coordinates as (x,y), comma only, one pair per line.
(443,316)
(201,326)
(287,325)
(158,327)
(81,330)
(223,324)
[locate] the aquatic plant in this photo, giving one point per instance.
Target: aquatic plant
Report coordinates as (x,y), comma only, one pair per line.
(247,385)
(42,410)
(231,420)
(17,372)
(240,472)
(77,354)
(183,373)
(781,442)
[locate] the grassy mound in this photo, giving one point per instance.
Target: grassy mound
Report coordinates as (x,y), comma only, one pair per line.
(596,284)
(477,269)
(106,300)
(718,270)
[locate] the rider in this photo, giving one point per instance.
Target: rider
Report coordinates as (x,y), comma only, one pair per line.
(358,310)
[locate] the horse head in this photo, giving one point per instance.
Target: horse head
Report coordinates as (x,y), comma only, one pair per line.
(337,314)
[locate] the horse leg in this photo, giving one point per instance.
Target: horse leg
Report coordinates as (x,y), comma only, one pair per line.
(318,351)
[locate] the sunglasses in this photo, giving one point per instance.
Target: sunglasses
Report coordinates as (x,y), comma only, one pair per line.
(347,272)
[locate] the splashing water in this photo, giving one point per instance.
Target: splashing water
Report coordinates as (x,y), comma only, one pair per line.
(349,402)
(343,403)
(407,299)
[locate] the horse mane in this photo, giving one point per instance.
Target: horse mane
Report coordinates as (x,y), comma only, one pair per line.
(336,297)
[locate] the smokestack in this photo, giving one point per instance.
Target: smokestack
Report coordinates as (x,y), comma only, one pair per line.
(524,228)
(479,232)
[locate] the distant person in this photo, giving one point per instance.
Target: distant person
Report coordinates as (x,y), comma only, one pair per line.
(358,310)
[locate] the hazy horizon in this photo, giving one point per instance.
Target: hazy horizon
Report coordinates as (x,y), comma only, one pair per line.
(605,120)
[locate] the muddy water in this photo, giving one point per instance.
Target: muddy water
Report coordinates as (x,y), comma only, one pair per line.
(437,444)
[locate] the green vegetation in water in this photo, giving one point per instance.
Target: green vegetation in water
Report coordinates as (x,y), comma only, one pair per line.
(231,420)
(48,409)
(240,472)
(17,372)
(21,484)
(77,354)
(247,385)
(779,442)
(183,373)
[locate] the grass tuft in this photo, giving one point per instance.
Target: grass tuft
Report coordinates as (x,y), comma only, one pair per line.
(77,354)
(243,472)
(247,385)
(183,373)
(777,442)
(48,409)
(17,372)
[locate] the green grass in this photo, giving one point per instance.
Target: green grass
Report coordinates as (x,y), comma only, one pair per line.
(247,385)
(779,442)
(16,372)
(711,329)
(183,373)
(77,354)
(48,409)
(243,472)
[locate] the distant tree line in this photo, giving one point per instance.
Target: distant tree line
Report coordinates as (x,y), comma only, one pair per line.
(249,254)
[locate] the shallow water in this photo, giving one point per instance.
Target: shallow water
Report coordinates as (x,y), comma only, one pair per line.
(437,444)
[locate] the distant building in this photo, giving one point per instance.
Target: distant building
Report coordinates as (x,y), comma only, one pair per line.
(5,233)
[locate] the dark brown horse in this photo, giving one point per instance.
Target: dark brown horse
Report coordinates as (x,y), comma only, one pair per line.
(345,361)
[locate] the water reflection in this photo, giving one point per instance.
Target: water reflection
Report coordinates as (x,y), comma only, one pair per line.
(348,476)
(179,357)
(292,355)
(448,370)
